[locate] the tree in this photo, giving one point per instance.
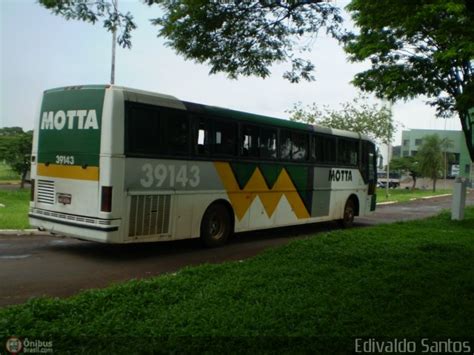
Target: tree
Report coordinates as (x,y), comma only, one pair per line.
(234,37)
(7,135)
(409,164)
(10,131)
(417,48)
(430,157)
(15,150)
(357,116)
(448,158)
(93,11)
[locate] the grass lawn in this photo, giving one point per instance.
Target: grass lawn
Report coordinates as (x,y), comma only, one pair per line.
(403,195)
(7,174)
(406,279)
(15,213)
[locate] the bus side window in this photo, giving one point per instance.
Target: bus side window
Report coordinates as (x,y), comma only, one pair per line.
(299,146)
(325,149)
(364,161)
(319,148)
(177,131)
(312,147)
(225,140)
(330,150)
(144,127)
(250,141)
(348,152)
(202,136)
(354,153)
(372,162)
(285,144)
(268,143)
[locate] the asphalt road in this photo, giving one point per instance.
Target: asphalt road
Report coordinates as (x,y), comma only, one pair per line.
(32,266)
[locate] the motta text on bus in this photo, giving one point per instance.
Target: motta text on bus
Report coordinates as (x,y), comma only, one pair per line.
(340,175)
(71,119)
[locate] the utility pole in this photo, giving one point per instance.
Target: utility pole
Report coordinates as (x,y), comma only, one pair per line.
(387,185)
(389,153)
(114,43)
(444,149)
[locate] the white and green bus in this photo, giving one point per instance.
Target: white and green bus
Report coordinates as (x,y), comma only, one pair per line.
(118,165)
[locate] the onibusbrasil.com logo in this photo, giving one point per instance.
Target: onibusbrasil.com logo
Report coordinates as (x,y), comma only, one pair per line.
(15,345)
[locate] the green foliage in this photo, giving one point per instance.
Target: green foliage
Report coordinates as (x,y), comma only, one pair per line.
(417,48)
(357,116)
(409,165)
(92,12)
(406,164)
(234,37)
(7,174)
(15,149)
(14,214)
(412,279)
(246,38)
(430,157)
(7,135)
(10,131)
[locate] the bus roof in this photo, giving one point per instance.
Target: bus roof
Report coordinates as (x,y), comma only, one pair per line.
(78,87)
(171,101)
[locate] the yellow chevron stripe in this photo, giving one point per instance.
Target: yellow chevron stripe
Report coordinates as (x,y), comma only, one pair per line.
(75,172)
(285,185)
(242,199)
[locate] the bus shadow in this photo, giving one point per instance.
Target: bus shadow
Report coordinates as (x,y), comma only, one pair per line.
(288,232)
(241,243)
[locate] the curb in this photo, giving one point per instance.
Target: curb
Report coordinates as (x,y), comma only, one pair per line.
(18,232)
(428,197)
(386,203)
(413,199)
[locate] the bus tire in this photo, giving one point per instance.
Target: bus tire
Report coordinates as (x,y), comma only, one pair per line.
(347,220)
(216,225)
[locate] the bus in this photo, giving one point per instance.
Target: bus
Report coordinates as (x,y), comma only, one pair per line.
(119,165)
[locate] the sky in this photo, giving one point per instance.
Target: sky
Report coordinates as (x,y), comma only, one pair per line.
(39,51)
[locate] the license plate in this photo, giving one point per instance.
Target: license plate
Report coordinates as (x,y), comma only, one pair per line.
(65,199)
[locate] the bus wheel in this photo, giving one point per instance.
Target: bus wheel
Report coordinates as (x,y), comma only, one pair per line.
(215,225)
(349,211)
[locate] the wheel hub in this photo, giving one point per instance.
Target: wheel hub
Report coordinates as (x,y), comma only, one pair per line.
(214,226)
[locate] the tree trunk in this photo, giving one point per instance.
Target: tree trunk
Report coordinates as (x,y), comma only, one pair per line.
(467,131)
(434,184)
(23,178)
(414,183)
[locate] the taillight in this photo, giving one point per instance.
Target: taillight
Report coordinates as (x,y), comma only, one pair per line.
(106,199)
(32,190)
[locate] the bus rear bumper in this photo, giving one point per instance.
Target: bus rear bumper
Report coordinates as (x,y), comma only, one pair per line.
(86,228)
